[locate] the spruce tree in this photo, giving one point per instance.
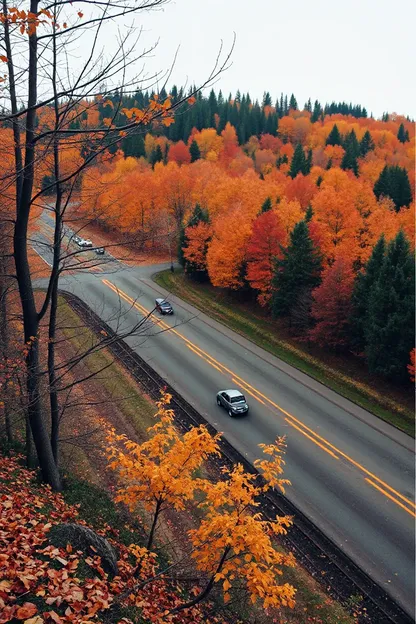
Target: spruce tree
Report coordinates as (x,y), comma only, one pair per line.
(297,272)
(334,137)
(389,331)
(266,206)
(402,134)
(316,113)
(362,288)
(308,213)
(293,102)
(394,182)
(299,163)
(366,143)
(194,151)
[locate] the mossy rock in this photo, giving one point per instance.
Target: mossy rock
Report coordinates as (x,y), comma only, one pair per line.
(82,538)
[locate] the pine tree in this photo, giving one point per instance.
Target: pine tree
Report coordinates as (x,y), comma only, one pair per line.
(195,152)
(297,272)
(394,182)
(363,285)
(316,113)
(389,331)
(366,143)
(299,163)
(334,137)
(266,206)
(402,134)
(133,145)
(293,102)
(319,181)
(308,213)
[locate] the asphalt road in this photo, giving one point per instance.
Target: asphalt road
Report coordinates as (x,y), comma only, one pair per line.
(351,474)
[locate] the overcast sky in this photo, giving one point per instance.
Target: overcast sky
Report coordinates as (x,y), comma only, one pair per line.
(361,51)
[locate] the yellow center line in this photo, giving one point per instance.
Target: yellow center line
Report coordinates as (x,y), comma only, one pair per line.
(300,425)
(292,424)
(409,511)
(249,391)
(205,359)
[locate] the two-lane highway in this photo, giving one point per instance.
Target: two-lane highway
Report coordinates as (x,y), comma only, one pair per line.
(351,474)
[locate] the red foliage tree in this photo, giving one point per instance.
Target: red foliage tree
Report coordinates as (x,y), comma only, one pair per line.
(331,306)
(301,188)
(264,246)
(179,153)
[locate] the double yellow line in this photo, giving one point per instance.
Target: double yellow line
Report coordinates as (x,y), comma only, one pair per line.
(336,453)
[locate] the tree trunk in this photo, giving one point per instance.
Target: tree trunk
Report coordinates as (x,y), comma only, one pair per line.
(153,527)
(41,439)
(204,593)
(4,337)
(53,393)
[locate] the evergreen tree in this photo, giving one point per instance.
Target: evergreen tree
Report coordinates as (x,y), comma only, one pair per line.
(389,331)
(318,181)
(329,164)
(156,156)
(316,113)
(194,151)
(402,134)
(266,206)
(352,151)
(394,182)
(363,285)
(293,103)
(308,213)
(297,273)
(334,137)
(267,100)
(299,163)
(308,106)
(366,143)
(133,145)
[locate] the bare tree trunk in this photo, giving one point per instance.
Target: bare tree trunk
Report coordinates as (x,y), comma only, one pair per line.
(31,318)
(4,338)
(204,593)
(53,392)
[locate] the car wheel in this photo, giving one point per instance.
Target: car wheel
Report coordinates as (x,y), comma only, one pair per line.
(230,413)
(218,402)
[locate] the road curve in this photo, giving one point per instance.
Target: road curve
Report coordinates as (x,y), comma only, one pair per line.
(351,474)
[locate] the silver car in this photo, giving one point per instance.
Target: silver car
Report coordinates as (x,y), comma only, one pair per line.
(233,400)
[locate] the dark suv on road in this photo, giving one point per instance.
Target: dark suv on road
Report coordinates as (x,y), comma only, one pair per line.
(234,402)
(163,306)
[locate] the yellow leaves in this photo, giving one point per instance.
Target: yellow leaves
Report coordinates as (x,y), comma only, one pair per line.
(226,585)
(34,620)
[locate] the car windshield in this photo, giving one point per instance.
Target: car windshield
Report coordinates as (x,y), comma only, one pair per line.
(238,399)
(165,304)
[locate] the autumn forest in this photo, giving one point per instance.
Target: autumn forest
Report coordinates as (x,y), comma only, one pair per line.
(309,211)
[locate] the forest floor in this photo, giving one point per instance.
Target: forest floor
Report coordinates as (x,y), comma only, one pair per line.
(345,374)
(113,398)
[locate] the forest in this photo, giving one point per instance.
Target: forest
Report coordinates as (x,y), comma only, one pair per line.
(308,211)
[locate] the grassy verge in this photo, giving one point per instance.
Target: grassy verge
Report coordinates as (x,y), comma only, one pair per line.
(97,507)
(347,377)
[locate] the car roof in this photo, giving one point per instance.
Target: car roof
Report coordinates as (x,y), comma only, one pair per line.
(233,392)
(160,301)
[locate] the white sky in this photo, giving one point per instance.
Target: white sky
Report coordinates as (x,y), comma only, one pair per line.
(359,51)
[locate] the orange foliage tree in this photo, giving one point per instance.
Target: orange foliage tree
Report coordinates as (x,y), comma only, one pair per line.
(161,472)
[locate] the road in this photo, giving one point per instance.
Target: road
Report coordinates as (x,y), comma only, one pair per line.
(351,473)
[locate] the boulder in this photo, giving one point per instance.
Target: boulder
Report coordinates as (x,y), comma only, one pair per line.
(82,538)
